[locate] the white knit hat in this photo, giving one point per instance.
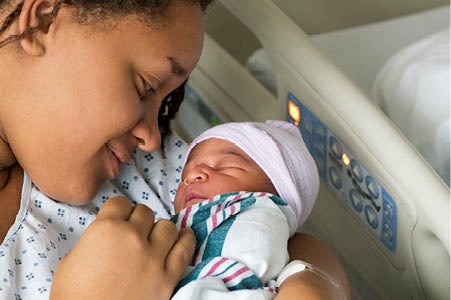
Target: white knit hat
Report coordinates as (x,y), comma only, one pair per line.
(279,150)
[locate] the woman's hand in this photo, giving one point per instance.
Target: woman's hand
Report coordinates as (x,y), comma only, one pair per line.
(124,255)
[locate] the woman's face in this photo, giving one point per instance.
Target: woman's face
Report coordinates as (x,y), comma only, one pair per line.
(83,109)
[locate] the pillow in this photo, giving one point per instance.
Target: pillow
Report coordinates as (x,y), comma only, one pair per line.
(259,66)
(413,89)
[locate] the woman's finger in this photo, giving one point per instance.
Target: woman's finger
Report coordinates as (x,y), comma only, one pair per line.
(142,218)
(181,253)
(115,208)
(163,237)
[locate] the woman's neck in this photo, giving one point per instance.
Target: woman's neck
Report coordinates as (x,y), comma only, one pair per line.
(4,175)
(7,158)
(11,180)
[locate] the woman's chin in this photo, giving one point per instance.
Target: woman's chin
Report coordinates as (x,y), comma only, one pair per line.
(75,201)
(75,196)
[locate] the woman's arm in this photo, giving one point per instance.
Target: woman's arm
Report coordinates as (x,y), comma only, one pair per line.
(124,255)
(310,285)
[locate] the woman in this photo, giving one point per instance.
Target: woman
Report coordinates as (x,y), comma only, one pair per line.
(81,84)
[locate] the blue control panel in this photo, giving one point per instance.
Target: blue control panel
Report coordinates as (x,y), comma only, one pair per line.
(357,189)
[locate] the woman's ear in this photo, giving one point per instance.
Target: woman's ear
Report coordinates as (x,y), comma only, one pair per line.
(34,22)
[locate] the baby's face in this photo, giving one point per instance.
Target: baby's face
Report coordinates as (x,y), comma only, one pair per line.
(216,166)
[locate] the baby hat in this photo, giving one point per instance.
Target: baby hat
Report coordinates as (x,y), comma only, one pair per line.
(279,150)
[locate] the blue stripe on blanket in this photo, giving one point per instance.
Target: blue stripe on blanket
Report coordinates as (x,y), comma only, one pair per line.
(215,241)
(210,236)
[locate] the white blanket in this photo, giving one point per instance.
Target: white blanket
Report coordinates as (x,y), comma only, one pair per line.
(413,88)
(241,246)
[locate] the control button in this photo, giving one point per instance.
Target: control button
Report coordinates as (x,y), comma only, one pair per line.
(356,200)
(308,125)
(319,147)
(320,131)
(357,170)
(387,232)
(388,211)
(335,177)
(335,146)
(373,189)
(371,216)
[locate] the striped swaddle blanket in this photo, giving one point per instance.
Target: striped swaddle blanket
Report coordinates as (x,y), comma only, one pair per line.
(241,240)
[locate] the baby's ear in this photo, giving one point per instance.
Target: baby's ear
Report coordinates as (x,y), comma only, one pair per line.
(34,22)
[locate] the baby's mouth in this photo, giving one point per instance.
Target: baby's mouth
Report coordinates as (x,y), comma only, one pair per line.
(193,197)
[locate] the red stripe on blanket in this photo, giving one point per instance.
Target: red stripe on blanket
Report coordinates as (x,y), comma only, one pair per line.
(236,274)
(216,265)
(185,217)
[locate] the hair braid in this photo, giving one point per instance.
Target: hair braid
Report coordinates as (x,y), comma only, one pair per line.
(96,10)
(168,109)
(44,22)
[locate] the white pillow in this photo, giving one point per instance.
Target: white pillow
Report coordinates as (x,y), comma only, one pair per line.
(259,66)
(413,88)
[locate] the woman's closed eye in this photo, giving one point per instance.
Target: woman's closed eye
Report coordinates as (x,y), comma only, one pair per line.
(148,90)
(146,85)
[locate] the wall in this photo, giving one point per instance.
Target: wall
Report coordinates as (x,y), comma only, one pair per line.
(313,16)
(317,16)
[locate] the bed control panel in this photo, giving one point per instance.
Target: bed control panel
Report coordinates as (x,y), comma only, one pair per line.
(357,189)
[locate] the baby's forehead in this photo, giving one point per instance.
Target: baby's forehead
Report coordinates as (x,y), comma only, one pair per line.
(219,147)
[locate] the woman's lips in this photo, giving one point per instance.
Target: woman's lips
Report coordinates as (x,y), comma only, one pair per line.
(122,156)
(115,165)
(116,158)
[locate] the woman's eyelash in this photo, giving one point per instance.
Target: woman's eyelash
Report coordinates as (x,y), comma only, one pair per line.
(149,90)
(145,90)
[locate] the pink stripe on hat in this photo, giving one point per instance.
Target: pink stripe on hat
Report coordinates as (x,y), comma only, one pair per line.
(278,148)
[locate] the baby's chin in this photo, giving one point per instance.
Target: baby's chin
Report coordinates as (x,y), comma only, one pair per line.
(178,207)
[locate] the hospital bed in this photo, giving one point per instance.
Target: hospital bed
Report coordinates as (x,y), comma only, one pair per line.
(403,65)
(381,206)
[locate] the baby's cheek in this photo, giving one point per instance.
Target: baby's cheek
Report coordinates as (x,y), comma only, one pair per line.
(178,203)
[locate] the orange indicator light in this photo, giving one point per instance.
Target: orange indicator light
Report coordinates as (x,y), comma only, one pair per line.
(295,112)
(345,159)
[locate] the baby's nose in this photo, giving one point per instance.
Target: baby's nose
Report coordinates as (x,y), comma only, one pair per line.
(196,176)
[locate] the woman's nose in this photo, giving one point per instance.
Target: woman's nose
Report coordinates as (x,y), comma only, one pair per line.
(196,175)
(147,134)
(147,130)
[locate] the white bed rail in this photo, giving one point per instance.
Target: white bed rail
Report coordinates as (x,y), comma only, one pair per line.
(419,268)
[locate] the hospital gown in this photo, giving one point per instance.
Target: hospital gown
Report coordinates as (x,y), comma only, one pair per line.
(45,230)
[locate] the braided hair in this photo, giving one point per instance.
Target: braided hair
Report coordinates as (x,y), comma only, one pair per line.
(168,109)
(152,11)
